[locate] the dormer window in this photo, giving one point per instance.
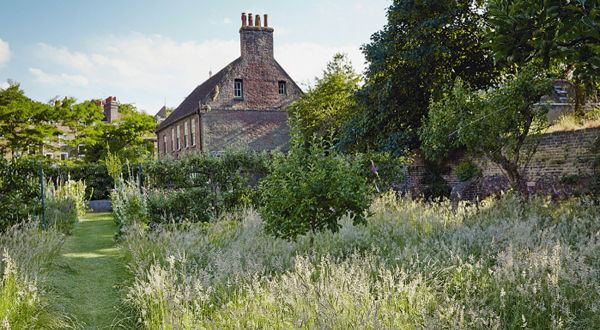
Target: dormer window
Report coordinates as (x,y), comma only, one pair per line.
(237,88)
(282,88)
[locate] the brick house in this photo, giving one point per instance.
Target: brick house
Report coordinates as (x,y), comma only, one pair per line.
(243,104)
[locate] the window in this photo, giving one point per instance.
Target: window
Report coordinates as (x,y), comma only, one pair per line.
(48,155)
(164,143)
(193,131)
(237,88)
(64,155)
(172,139)
(81,150)
(282,88)
(178,137)
(62,140)
(185,135)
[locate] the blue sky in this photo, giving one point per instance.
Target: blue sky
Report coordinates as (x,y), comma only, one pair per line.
(144,52)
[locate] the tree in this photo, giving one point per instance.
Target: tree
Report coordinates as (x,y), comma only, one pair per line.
(322,110)
(128,138)
(559,35)
(84,121)
(424,45)
(24,124)
(502,123)
(310,188)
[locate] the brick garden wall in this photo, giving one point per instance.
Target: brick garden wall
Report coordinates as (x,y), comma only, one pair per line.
(559,155)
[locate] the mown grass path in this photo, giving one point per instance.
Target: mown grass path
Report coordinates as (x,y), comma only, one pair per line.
(89,267)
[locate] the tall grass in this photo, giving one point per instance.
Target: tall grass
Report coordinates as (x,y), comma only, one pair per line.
(500,264)
(27,251)
(65,202)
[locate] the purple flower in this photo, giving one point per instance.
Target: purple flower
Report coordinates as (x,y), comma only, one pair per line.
(70,205)
(373,168)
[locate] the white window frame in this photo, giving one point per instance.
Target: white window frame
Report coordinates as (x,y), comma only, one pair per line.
(172,139)
(164,143)
(66,154)
(186,132)
(178,137)
(238,88)
(193,131)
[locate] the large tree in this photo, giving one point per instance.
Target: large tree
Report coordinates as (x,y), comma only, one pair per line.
(25,124)
(424,45)
(503,123)
(322,110)
(84,122)
(560,35)
(129,138)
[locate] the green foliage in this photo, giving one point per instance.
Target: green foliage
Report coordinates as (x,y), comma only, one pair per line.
(19,194)
(128,138)
(24,124)
(322,110)
(217,182)
(424,45)
(502,123)
(467,170)
(310,188)
(388,169)
(559,34)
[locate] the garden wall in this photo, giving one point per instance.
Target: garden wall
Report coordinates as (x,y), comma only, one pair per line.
(559,155)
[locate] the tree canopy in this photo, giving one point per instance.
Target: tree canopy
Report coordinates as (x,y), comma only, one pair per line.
(501,123)
(424,45)
(554,34)
(25,124)
(323,109)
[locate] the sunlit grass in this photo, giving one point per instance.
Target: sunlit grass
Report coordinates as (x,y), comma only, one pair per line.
(500,264)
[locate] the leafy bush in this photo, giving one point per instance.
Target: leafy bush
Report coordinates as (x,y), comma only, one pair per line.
(310,188)
(19,194)
(200,186)
(466,170)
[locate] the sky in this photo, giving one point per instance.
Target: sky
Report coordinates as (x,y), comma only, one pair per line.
(154,52)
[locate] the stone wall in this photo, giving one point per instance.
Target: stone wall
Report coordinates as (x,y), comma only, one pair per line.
(559,155)
(256,129)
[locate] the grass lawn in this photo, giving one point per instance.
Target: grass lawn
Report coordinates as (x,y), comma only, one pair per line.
(89,267)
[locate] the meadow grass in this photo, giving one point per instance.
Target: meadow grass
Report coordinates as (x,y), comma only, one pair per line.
(503,263)
(27,254)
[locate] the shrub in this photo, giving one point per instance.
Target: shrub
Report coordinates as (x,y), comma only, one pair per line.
(19,194)
(128,203)
(467,170)
(310,188)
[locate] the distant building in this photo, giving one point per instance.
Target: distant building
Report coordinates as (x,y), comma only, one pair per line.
(243,104)
(59,149)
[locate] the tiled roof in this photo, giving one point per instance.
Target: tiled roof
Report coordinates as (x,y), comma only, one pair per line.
(200,93)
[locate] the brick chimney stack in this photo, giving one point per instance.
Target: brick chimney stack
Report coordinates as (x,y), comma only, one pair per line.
(111,109)
(256,41)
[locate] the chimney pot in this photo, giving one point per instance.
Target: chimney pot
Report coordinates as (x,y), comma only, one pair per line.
(266,22)
(257,20)
(243,19)
(250,19)
(114,98)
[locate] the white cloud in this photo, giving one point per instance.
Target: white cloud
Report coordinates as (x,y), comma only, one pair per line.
(4,85)
(4,53)
(146,69)
(63,78)
(227,20)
